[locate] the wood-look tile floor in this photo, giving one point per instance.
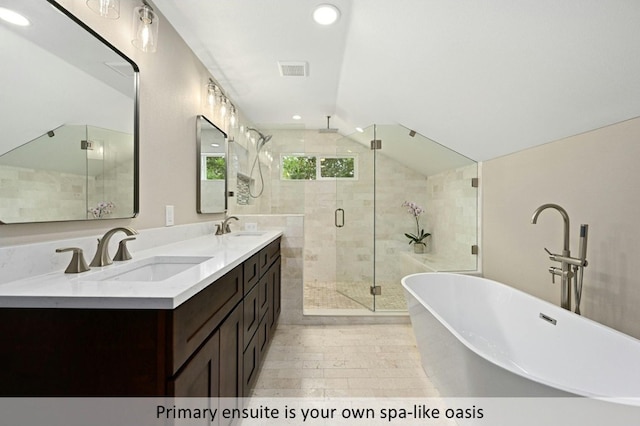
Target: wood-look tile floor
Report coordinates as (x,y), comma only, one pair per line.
(343,361)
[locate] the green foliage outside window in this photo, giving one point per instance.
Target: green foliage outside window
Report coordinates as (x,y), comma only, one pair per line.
(216,168)
(298,167)
(301,167)
(337,167)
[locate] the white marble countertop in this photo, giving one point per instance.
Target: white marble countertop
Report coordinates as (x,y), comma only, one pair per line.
(60,290)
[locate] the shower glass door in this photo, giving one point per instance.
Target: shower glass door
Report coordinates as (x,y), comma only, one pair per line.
(353,168)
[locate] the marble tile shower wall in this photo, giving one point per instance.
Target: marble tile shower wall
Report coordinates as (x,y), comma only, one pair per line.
(54,194)
(457,231)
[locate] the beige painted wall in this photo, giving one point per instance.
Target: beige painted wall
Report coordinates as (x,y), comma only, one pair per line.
(172,82)
(596,178)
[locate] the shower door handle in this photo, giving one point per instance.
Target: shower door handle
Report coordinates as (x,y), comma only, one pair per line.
(339,212)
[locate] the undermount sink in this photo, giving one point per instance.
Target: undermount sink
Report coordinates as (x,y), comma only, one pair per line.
(248,234)
(158,268)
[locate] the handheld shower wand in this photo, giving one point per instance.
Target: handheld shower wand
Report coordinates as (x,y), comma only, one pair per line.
(262,141)
(579,269)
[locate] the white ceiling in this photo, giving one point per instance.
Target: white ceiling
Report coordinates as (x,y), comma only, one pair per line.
(484,78)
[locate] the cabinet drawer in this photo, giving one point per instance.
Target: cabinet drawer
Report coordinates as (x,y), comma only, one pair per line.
(273,251)
(194,320)
(251,272)
(264,260)
(268,255)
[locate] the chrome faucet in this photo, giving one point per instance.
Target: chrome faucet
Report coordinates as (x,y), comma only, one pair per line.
(224,227)
(102,257)
(565,259)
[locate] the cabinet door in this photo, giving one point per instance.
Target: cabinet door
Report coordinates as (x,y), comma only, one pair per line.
(251,364)
(200,376)
(231,361)
(251,312)
(275,286)
(264,295)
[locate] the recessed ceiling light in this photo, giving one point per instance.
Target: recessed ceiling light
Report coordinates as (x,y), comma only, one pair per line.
(359,129)
(13,17)
(215,145)
(297,117)
(326,14)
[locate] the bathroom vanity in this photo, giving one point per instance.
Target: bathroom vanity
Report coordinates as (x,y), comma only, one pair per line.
(202,332)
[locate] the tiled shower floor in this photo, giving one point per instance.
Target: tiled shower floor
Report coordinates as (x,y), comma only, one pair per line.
(343,361)
(352,295)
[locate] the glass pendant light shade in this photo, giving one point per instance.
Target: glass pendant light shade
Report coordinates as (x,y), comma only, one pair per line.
(211,94)
(145,28)
(223,107)
(109,9)
(233,118)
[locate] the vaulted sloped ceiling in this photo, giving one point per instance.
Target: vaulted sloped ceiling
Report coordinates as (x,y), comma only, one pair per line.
(485,78)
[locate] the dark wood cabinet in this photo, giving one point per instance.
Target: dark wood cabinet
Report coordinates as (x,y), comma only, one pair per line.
(231,353)
(200,377)
(202,348)
(260,305)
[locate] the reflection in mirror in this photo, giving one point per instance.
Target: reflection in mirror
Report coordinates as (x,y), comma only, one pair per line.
(212,167)
(68,148)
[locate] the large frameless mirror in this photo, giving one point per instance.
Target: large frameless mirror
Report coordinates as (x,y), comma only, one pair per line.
(211,145)
(69,120)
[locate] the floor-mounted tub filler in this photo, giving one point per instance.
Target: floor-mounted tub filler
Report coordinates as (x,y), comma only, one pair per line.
(479,337)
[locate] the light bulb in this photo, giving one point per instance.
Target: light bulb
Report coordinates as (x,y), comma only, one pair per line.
(145,24)
(211,94)
(233,120)
(223,107)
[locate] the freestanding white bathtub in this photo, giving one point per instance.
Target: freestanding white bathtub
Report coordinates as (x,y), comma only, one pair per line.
(478,337)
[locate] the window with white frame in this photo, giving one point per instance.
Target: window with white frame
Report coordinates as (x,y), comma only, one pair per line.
(318,167)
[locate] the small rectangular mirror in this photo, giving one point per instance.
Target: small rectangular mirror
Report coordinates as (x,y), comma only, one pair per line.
(211,143)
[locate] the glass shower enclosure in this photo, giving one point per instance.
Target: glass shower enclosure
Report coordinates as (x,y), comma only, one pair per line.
(393,165)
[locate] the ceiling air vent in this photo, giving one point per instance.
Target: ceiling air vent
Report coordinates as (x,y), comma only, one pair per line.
(293,69)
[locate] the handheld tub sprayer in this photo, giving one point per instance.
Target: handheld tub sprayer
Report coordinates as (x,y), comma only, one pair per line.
(578,270)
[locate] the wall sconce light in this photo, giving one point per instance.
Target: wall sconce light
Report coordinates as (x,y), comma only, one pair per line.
(233,117)
(109,9)
(145,28)
(212,92)
(223,106)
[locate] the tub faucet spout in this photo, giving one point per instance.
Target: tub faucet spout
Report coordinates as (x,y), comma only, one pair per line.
(565,218)
(565,270)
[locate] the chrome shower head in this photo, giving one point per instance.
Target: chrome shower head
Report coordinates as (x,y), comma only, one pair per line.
(263,138)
